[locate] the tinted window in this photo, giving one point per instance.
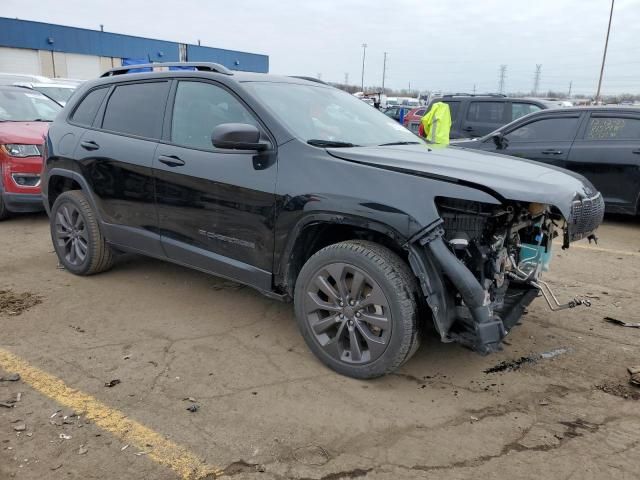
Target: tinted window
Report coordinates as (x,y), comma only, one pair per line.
(489,112)
(613,128)
(199,108)
(137,109)
(521,109)
(545,130)
(453,109)
(86,111)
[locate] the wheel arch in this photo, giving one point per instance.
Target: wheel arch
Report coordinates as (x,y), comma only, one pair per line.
(60,180)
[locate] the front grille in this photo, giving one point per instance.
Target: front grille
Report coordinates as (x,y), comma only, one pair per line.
(586,216)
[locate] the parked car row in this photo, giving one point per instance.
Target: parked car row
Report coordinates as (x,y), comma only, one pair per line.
(58,89)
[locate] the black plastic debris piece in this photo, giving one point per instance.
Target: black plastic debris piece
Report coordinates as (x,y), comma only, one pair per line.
(622,323)
(112,383)
(12,377)
(510,365)
(193,408)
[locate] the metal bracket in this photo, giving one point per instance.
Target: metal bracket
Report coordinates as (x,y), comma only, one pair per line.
(553,302)
(432,232)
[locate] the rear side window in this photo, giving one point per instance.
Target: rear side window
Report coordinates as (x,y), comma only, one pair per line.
(454,107)
(521,109)
(613,128)
(421,112)
(137,109)
(487,112)
(545,130)
(86,111)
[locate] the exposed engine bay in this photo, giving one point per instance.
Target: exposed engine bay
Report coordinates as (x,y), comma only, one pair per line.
(492,257)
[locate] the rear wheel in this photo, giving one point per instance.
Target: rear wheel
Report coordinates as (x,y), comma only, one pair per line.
(76,235)
(355,305)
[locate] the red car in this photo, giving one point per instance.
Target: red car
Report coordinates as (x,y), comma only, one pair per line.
(24,119)
(413,117)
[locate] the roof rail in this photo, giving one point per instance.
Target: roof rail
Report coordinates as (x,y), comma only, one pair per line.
(309,79)
(474,95)
(200,66)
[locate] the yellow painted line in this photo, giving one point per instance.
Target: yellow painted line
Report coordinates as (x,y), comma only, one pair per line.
(606,250)
(163,451)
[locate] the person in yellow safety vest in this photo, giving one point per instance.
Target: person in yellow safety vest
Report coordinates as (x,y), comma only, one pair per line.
(436,124)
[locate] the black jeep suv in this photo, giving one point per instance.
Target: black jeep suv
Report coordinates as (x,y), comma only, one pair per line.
(306,193)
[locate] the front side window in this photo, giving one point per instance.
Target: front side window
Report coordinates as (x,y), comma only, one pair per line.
(200,107)
(137,109)
(486,112)
(316,112)
(521,109)
(545,130)
(86,112)
(613,128)
(22,105)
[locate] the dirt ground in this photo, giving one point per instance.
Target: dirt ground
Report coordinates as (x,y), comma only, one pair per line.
(269,410)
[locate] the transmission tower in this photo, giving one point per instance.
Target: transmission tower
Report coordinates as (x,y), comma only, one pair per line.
(346,78)
(536,79)
(503,76)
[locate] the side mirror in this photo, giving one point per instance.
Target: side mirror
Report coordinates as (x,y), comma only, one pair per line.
(499,140)
(238,136)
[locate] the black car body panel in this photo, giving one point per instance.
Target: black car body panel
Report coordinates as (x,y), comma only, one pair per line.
(601,144)
(254,215)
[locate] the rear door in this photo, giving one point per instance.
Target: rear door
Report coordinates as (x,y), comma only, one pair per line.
(546,139)
(215,206)
(607,152)
(116,157)
(484,116)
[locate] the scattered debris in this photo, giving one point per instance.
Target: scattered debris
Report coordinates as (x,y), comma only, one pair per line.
(55,413)
(126,357)
(635,375)
(190,399)
(511,365)
(77,328)
(619,390)
(311,455)
(622,323)
(20,427)
(8,404)
(82,450)
(193,408)
(474,419)
(112,383)
(124,448)
(139,454)
(12,377)
(18,396)
(56,466)
(16,303)
(544,402)
(64,436)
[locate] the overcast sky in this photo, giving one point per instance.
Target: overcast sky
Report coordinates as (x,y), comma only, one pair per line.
(448,45)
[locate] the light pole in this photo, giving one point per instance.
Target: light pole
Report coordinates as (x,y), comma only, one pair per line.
(384,70)
(604,54)
(364,54)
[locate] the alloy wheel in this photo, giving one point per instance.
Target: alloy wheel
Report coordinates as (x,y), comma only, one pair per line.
(72,237)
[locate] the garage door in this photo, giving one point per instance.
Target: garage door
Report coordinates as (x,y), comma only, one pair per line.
(82,67)
(19,60)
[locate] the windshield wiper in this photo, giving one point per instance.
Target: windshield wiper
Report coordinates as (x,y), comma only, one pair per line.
(330,143)
(398,143)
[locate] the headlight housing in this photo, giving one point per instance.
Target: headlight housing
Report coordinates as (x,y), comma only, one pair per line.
(21,151)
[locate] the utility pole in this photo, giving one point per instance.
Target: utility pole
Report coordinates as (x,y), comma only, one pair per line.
(604,54)
(364,54)
(319,76)
(346,78)
(384,70)
(570,85)
(536,79)
(503,76)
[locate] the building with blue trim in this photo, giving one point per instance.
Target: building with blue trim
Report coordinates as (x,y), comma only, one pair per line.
(58,51)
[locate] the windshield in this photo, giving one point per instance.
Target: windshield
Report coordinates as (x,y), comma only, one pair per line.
(59,94)
(26,106)
(317,114)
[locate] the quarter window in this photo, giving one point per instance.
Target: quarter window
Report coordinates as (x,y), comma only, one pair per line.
(521,109)
(137,109)
(200,107)
(486,112)
(545,130)
(613,128)
(86,112)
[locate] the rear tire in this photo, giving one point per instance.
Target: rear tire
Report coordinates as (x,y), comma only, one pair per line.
(76,235)
(356,308)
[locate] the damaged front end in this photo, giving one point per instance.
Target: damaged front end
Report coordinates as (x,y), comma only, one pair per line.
(488,260)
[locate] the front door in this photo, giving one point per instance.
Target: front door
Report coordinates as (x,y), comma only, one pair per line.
(215,206)
(546,139)
(608,154)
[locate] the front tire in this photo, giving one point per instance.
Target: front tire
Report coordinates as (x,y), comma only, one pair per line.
(4,213)
(76,235)
(356,308)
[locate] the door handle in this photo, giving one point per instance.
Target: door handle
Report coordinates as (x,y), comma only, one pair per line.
(468,129)
(551,152)
(89,145)
(637,152)
(171,160)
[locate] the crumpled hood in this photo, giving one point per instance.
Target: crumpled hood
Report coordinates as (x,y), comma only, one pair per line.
(28,133)
(508,177)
